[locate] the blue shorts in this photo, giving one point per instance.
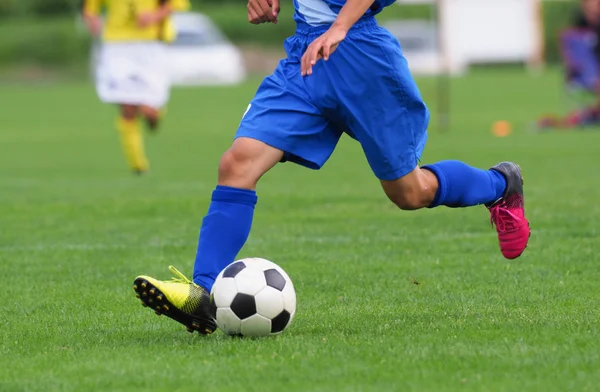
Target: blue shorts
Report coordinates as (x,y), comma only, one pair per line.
(365,90)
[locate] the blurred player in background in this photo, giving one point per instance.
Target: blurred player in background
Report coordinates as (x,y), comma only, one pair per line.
(580,49)
(131,70)
(343,74)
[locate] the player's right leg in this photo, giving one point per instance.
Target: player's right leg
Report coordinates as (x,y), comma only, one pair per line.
(224,231)
(279,124)
(131,138)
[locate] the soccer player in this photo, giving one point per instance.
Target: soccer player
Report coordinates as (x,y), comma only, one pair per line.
(131,69)
(343,74)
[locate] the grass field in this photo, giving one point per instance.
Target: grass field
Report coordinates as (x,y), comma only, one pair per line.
(76,228)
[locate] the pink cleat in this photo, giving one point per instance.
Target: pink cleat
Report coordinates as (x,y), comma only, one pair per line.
(508,213)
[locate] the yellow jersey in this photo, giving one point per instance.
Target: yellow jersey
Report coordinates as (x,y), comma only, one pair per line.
(121,19)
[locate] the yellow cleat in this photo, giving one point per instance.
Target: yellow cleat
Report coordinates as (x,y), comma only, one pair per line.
(179,299)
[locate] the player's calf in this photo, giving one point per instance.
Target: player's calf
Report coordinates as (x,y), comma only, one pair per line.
(132,143)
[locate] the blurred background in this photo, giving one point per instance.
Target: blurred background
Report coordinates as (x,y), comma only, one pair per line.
(40,38)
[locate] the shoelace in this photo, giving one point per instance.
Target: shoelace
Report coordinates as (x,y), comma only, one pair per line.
(179,277)
(503,223)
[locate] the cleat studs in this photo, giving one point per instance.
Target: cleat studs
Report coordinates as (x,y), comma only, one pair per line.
(144,305)
(157,312)
(190,330)
(144,294)
(144,285)
(137,296)
(151,292)
(159,297)
(135,287)
(165,308)
(150,301)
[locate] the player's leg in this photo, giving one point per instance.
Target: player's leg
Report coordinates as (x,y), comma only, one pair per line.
(153,116)
(394,138)
(429,186)
(457,184)
(224,231)
(131,138)
(121,80)
(226,226)
(280,123)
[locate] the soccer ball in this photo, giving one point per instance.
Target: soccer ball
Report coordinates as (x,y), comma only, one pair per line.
(253,297)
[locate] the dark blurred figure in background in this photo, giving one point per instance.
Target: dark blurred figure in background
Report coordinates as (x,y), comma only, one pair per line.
(580,49)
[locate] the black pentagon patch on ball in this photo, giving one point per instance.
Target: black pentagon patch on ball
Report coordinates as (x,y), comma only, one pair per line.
(279,323)
(275,279)
(243,305)
(234,269)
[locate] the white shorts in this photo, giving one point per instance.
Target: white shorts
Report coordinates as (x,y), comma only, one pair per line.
(132,73)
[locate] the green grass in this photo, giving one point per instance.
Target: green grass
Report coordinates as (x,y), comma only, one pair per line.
(76,228)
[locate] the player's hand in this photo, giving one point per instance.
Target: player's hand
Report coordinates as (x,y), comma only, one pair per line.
(322,48)
(146,19)
(93,24)
(261,11)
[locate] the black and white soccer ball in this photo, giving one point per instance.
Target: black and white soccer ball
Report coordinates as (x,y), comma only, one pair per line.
(253,297)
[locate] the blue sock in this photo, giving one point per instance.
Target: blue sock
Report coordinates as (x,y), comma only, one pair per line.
(461,185)
(224,231)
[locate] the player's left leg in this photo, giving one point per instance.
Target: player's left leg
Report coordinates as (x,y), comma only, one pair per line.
(392,129)
(281,123)
(427,186)
(456,184)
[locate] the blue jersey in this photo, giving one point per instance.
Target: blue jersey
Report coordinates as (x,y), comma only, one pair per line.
(323,12)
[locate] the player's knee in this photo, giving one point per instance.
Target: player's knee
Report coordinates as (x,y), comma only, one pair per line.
(235,168)
(246,162)
(414,191)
